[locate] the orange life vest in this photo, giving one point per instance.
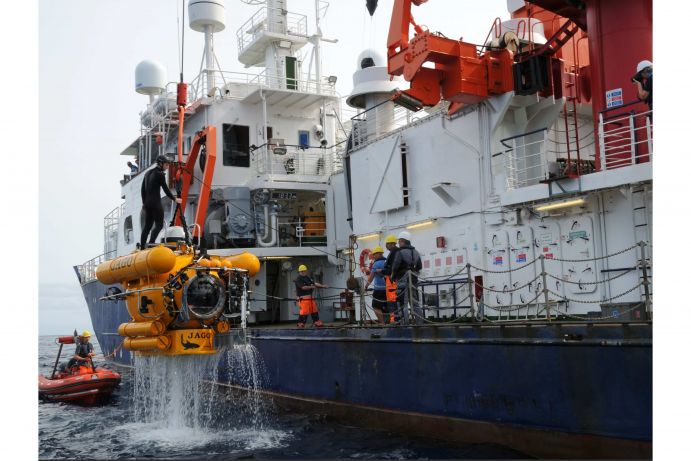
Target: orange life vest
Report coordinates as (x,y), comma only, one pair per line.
(391,288)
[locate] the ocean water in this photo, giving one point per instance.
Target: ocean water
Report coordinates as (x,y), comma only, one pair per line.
(160,411)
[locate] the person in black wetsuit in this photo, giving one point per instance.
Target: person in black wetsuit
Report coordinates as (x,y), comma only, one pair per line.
(154,181)
(83,352)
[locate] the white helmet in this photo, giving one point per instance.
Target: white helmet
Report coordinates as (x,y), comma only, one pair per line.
(404,235)
(643,64)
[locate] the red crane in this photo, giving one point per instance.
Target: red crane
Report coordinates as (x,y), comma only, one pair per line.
(460,74)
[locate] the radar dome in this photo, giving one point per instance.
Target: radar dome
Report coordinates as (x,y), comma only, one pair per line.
(150,77)
(207,13)
(370,58)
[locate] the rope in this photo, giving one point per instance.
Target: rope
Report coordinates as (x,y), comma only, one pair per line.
(592,283)
(597,258)
(512,307)
(506,271)
(598,301)
(115,351)
(513,289)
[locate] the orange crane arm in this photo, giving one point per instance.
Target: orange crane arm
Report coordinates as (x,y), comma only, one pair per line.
(460,74)
(401,20)
(207,138)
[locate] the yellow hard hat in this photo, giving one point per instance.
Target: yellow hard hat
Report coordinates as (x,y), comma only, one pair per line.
(86,334)
(377,249)
(302,268)
(391,239)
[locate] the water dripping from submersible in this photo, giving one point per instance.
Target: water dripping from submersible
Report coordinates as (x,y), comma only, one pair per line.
(181,399)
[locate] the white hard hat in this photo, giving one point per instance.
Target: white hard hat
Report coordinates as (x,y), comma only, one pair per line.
(404,235)
(643,64)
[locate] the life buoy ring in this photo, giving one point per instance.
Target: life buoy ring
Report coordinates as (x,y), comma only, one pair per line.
(365,261)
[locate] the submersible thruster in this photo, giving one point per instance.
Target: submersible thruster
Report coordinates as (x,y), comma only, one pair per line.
(177,298)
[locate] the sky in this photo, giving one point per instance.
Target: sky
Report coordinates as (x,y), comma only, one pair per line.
(61,143)
(88,109)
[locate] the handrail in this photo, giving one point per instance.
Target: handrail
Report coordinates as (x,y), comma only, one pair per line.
(628,104)
(520,136)
(418,300)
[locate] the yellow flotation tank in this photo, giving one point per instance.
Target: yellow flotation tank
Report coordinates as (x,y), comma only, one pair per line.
(146,263)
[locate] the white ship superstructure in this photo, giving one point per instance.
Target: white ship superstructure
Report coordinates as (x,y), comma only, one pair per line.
(279,143)
(506,193)
(510,192)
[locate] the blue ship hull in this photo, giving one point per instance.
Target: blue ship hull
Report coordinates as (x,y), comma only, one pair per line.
(549,389)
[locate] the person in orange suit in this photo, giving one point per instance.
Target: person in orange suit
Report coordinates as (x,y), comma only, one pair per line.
(304,287)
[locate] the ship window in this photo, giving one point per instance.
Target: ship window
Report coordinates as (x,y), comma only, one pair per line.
(304,139)
(127,229)
(291,65)
(236,145)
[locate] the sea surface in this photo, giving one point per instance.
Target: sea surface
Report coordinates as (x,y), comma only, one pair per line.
(154,415)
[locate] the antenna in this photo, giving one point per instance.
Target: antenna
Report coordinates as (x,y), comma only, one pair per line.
(182,54)
(208,16)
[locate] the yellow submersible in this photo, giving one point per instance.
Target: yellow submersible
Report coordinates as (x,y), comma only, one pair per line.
(178,300)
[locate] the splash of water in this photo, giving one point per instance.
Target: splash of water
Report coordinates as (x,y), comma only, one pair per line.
(189,393)
(246,370)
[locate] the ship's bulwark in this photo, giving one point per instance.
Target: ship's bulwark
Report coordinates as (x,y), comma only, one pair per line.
(577,390)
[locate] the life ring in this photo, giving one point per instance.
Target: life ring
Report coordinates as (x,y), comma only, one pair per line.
(365,261)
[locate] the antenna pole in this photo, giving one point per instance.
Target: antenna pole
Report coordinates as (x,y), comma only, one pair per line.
(317,49)
(182,58)
(209,53)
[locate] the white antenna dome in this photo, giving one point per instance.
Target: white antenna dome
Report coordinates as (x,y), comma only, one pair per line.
(370,58)
(207,13)
(150,78)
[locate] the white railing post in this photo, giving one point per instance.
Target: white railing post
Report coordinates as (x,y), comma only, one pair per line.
(649,133)
(601,136)
(632,136)
(543,156)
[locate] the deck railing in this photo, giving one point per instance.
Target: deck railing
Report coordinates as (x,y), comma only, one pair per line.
(270,20)
(626,138)
(463,296)
(87,271)
(542,155)
(311,164)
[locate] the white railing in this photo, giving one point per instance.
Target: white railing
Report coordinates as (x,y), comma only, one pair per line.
(525,161)
(380,120)
(625,139)
(87,271)
(239,85)
(543,155)
(110,229)
(271,20)
(298,231)
(302,84)
(310,164)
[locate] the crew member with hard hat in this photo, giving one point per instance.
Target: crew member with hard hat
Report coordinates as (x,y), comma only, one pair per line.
(379,303)
(304,287)
(407,260)
(84,350)
(644,82)
(391,287)
(154,180)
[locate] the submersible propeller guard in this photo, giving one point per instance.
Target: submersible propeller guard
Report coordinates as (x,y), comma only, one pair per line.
(176,299)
